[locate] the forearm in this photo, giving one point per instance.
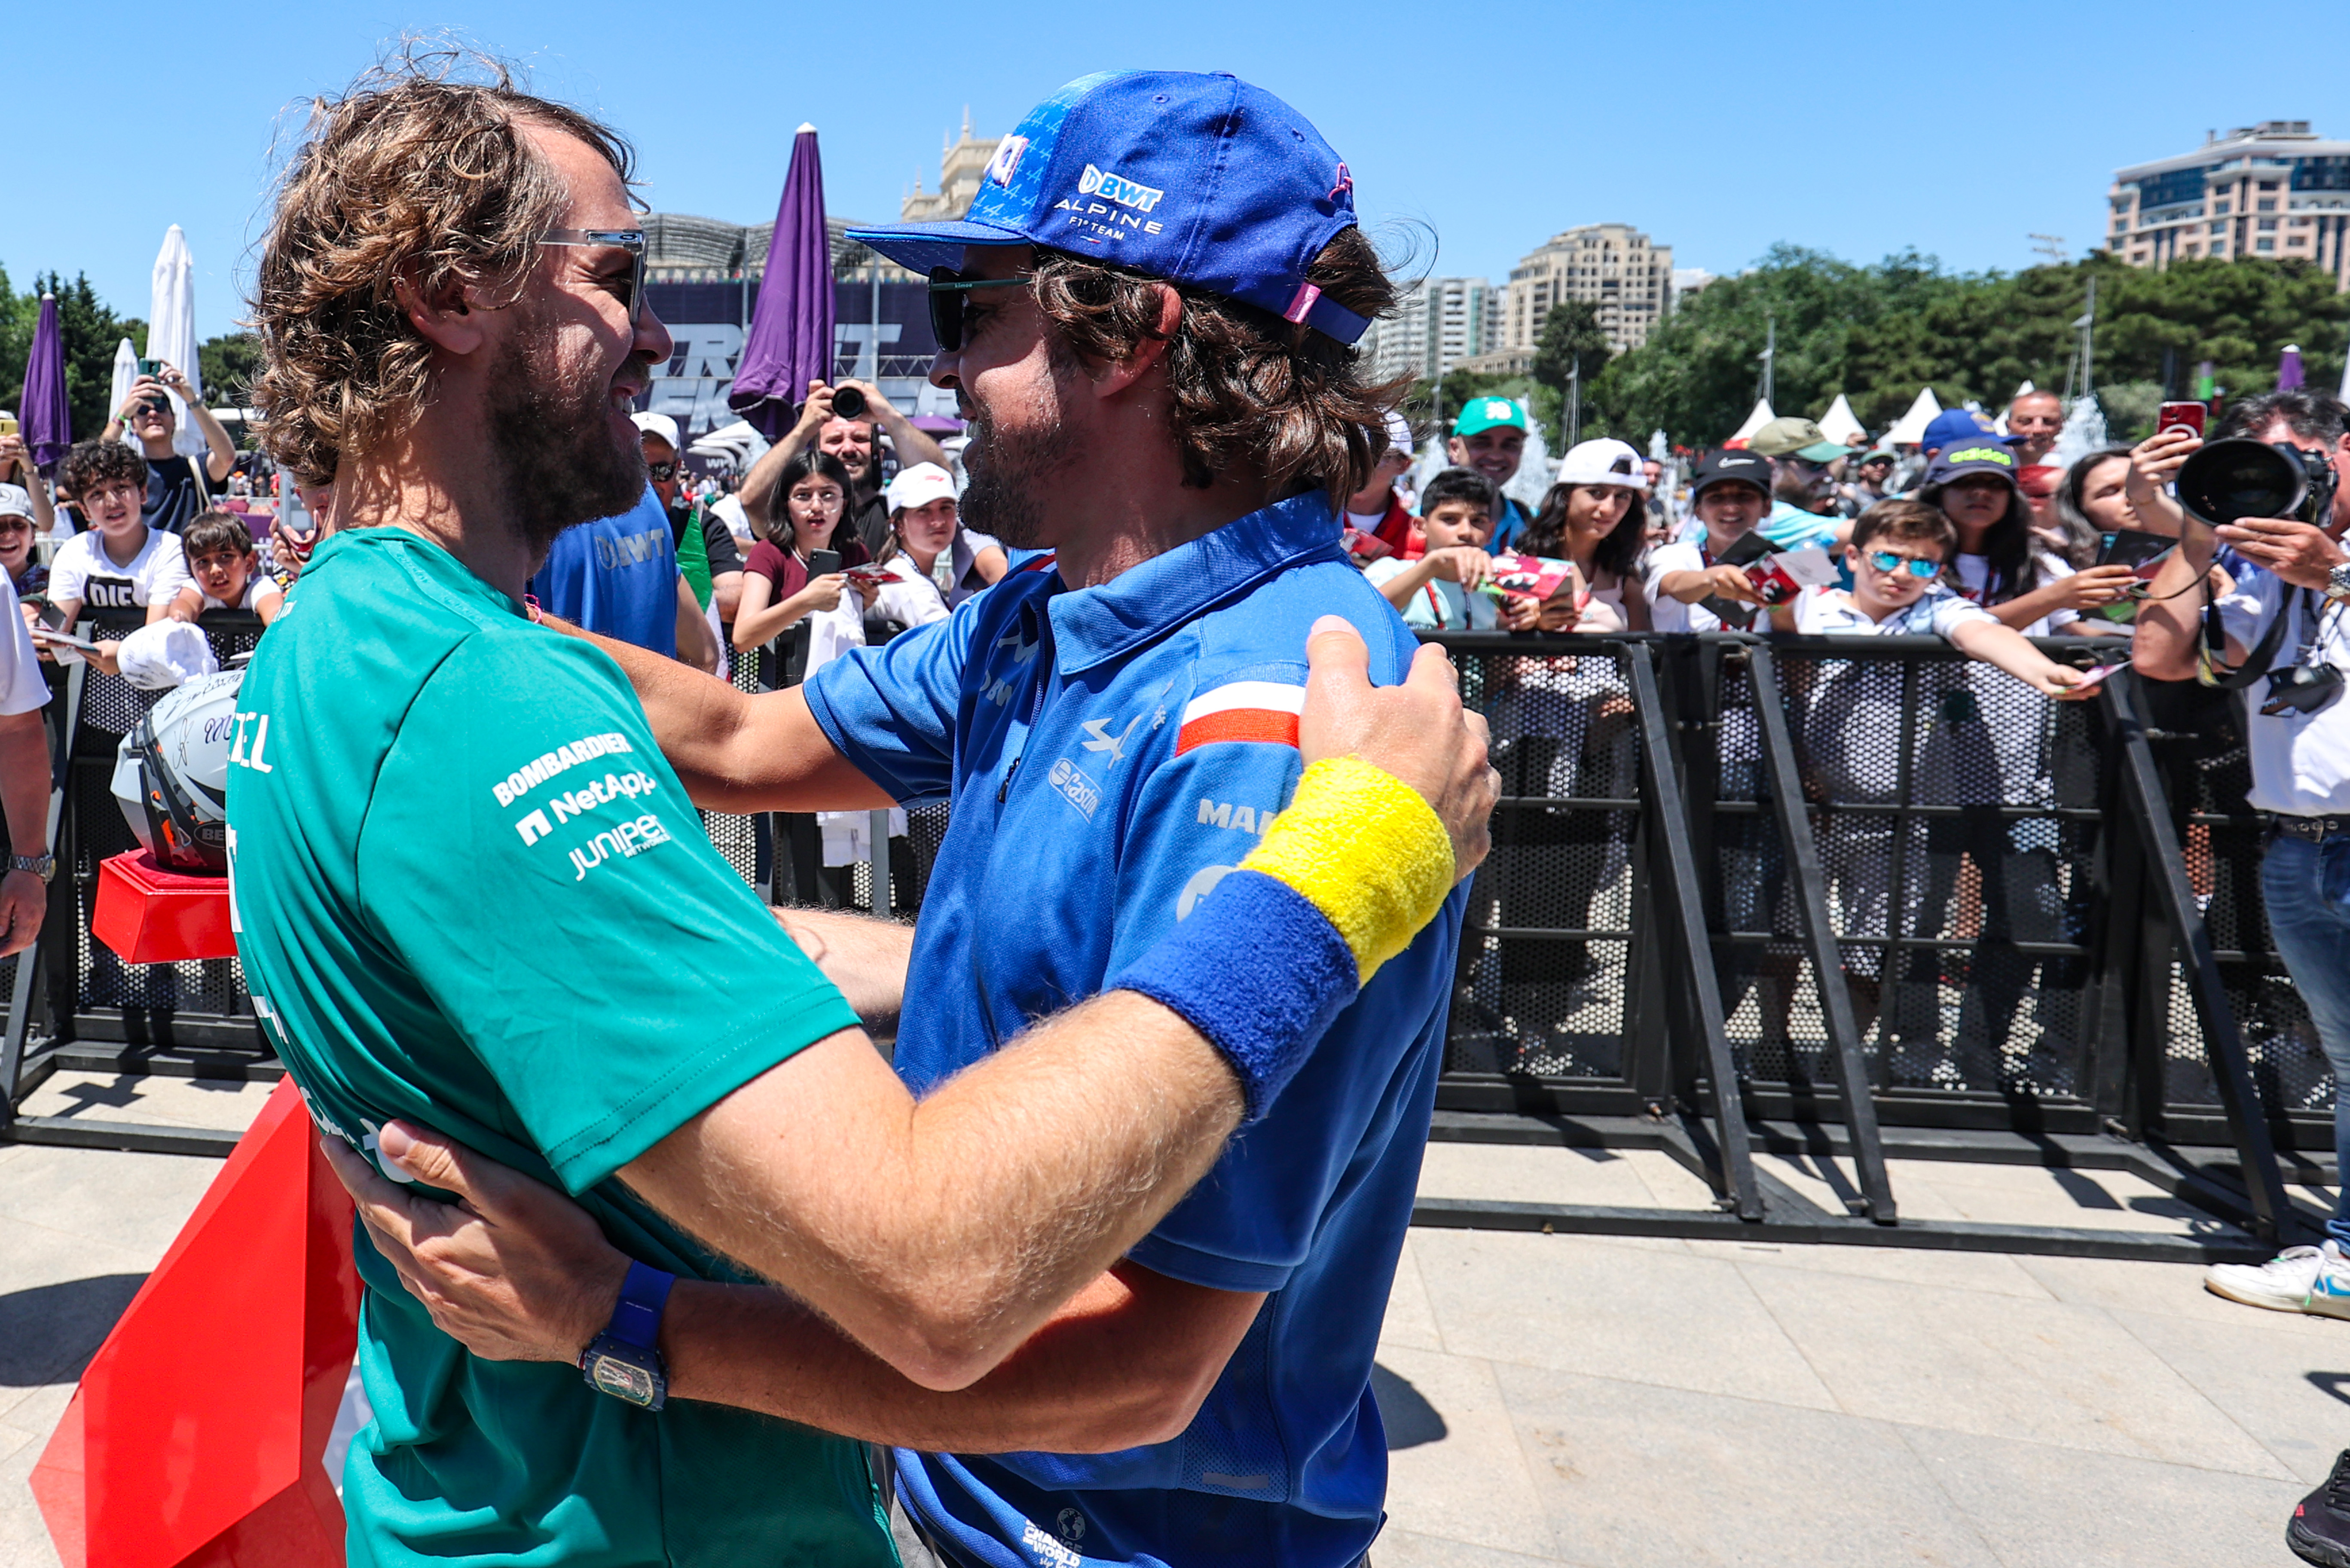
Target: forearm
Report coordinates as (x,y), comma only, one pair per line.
(734,752)
(1686,586)
(697,645)
(940,1236)
(2003,646)
(216,436)
(913,443)
(1087,1382)
(2169,620)
(2025,609)
(1397,590)
(45,509)
(25,780)
(760,626)
(757,491)
(865,957)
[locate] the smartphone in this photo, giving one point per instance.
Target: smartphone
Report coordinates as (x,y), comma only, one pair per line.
(7,424)
(822,562)
(151,368)
(2180,416)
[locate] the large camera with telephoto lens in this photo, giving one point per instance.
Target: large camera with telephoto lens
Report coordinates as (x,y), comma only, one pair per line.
(2229,481)
(847,403)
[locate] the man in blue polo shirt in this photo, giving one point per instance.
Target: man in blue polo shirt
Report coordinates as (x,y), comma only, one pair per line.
(1116,725)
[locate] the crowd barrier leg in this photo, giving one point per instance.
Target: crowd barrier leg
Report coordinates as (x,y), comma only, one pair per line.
(1684,910)
(1810,882)
(2223,1044)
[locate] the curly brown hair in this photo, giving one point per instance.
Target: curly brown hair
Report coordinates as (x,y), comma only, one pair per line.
(90,461)
(1250,390)
(411,177)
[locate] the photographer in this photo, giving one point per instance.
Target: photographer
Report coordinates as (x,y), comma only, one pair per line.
(2298,736)
(177,487)
(846,421)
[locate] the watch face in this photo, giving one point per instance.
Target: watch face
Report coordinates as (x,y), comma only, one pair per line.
(620,1379)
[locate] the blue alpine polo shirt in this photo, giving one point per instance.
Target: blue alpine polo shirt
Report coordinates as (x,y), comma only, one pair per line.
(1111,754)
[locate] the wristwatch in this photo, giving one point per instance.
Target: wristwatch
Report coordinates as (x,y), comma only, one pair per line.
(2337,582)
(623,1360)
(45,867)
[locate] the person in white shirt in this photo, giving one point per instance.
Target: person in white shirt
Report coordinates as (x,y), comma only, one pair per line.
(2289,607)
(1441,590)
(224,562)
(120,563)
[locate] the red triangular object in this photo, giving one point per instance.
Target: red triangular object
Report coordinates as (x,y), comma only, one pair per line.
(197,1434)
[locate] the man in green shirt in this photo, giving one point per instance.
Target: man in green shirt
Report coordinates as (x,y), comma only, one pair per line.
(471,893)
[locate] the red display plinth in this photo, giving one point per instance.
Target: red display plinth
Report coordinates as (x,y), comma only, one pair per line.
(197,1435)
(149,915)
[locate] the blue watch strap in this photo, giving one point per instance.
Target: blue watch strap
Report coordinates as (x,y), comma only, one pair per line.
(636,1319)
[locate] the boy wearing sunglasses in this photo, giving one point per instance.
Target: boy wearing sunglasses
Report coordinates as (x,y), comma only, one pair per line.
(1897,557)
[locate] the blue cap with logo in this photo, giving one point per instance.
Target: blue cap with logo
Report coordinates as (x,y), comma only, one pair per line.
(1201,179)
(1952,425)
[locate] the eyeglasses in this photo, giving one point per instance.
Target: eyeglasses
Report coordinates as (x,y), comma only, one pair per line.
(630,240)
(1891,565)
(661,472)
(947,292)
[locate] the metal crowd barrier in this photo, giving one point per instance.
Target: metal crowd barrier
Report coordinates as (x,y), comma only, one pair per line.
(1860,901)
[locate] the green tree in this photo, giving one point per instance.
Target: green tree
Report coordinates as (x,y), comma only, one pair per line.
(231,363)
(1571,338)
(1878,333)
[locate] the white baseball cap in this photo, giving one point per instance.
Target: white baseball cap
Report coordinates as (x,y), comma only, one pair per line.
(15,501)
(660,425)
(919,485)
(165,654)
(1603,461)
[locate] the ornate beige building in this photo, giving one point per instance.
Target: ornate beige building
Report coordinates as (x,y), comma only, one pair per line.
(960,164)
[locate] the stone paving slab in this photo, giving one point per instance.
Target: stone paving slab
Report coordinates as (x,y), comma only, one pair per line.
(1601,1401)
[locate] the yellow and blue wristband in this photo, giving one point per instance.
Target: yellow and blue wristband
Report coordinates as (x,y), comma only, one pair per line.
(1342,881)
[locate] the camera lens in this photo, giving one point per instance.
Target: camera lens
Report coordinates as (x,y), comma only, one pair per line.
(848,403)
(2227,481)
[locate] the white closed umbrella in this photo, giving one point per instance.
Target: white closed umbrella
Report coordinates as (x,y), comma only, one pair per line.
(1840,425)
(126,371)
(1909,429)
(1755,421)
(172,332)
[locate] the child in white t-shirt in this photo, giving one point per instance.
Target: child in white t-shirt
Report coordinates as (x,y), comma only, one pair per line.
(119,563)
(222,558)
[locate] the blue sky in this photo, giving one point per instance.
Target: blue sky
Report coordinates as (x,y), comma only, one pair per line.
(1719,130)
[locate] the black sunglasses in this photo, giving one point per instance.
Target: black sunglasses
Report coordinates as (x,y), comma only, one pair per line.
(630,240)
(661,472)
(947,293)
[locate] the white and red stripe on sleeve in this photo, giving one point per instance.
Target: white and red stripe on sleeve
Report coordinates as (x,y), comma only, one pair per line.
(1263,711)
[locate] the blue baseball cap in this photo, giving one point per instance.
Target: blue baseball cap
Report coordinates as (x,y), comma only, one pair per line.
(1201,179)
(1975,454)
(1952,425)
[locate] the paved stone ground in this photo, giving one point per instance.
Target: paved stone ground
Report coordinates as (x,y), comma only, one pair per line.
(1557,1399)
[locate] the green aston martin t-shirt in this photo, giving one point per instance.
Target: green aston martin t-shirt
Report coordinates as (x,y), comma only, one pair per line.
(470,892)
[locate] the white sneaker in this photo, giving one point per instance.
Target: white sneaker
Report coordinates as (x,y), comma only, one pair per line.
(2298,1279)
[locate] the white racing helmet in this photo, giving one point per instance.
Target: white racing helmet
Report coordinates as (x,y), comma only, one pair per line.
(170,773)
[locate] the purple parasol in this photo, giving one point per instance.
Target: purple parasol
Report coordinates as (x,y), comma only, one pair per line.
(2289,368)
(790,341)
(48,421)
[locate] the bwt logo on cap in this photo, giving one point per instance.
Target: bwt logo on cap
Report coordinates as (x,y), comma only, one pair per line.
(1113,187)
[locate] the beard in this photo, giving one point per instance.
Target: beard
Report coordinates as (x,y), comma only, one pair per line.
(557,463)
(1005,470)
